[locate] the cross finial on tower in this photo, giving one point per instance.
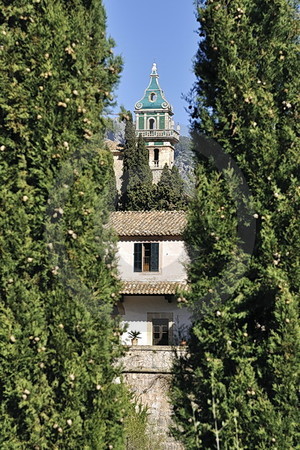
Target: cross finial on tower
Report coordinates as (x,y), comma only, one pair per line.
(154,69)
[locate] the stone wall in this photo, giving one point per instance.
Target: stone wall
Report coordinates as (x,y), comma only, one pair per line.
(118,168)
(147,370)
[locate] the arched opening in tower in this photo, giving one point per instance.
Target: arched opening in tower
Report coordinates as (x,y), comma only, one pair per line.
(156,157)
(153,97)
(152,124)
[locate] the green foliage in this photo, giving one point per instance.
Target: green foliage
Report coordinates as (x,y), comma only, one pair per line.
(134,334)
(139,194)
(169,192)
(137,432)
(58,343)
(96,144)
(239,386)
(137,176)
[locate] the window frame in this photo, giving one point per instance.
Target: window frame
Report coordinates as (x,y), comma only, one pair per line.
(160,315)
(152,120)
(139,257)
(156,154)
(161,323)
(152,97)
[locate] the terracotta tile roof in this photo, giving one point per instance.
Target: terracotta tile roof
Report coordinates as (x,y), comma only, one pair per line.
(148,223)
(158,287)
(113,146)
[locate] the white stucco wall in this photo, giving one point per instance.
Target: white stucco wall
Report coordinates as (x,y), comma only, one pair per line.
(135,309)
(172,258)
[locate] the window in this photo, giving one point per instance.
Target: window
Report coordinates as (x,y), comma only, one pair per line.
(152,97)
(160,329)
(152,125)
(156,157)
(146,257)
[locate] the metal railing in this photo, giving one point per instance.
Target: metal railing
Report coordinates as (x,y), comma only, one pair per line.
(159,133)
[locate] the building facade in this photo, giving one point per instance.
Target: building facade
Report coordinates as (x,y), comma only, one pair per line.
(151,262)
(152,258)
(154,122)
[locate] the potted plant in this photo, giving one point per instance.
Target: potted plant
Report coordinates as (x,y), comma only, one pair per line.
(134,336)
(183,341)
(181,333)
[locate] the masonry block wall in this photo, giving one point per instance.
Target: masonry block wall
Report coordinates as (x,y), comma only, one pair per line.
(147,370)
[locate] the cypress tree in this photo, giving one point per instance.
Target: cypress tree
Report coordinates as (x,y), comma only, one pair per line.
(169,193)
(239,386)
(130,159)
(137,177)
(58,385)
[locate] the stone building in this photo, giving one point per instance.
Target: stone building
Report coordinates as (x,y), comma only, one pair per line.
(148,371)
(154,121)
(152,259)
(151,262)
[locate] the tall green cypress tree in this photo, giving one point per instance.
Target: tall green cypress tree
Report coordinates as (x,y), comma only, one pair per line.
(58,385)
(137,177)
(130,159)
(239,386)
(169,193)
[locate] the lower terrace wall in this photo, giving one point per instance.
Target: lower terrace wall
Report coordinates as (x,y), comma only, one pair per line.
(147,370)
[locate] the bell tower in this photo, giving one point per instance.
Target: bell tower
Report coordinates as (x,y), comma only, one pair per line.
(155,123)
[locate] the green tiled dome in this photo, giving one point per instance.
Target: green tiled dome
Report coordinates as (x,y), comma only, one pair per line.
(153,98)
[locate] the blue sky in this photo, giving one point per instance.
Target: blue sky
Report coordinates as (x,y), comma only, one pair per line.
(161,31)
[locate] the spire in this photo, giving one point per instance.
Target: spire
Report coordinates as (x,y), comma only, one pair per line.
(154,71)
(154,98)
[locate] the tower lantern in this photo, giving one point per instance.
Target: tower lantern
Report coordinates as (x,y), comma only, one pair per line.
(155,124)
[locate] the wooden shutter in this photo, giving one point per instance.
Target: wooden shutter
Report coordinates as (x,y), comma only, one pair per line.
(154,257)
(137,257)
